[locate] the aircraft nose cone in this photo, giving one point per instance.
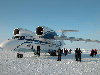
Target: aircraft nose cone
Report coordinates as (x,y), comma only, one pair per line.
(1,47)
(10,44)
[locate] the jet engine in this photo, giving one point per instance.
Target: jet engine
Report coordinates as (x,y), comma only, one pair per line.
(23,32)
(40,30)
(16,31)
(45,32)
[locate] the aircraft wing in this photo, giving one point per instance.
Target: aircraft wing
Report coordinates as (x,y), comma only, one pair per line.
(74,39)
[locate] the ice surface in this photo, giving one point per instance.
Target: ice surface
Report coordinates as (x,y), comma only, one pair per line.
(48,65)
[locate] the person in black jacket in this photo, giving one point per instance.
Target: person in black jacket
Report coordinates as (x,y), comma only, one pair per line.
(79,54)
(92,53)
(76,55)
(59,54)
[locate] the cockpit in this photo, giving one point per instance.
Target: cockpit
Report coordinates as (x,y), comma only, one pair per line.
(18,37)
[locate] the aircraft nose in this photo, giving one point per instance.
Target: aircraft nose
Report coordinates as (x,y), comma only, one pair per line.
(1,47)
(10,44)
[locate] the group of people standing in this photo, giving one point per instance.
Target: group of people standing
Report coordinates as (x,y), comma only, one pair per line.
(93,52)
(65,51)
(78,54)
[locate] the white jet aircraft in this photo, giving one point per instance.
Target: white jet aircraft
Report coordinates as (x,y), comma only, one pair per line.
(45,40)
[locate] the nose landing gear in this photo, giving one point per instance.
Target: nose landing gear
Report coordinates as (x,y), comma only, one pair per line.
(19,55)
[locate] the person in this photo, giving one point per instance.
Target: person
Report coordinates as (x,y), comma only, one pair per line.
(62,51)
(66,51)
(59,54)
(95,52)
(70,51)
(32,47)
(92,53)
(79,54)
(76,56)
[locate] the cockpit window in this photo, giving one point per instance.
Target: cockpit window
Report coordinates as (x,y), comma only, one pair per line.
(19,37)
(16,37)
(22,37)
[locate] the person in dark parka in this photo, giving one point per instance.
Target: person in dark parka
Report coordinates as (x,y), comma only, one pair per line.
(59,54)
(76,54)
(92,53)
(79,54)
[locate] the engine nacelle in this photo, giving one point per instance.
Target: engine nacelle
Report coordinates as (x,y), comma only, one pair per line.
(16,31)
(23,32)
(45,32)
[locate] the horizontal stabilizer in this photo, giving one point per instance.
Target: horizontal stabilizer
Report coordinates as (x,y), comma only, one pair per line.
(67,31)
(74,39)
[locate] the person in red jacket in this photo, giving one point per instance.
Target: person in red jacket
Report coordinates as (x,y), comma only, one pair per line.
(66,51)
(95,52)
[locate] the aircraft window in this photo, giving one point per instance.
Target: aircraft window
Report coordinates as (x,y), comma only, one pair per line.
(16,37)
(31,36)
(19,37)
(13,37)
(22,37)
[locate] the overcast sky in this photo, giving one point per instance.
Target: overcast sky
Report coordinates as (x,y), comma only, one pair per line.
(82,15)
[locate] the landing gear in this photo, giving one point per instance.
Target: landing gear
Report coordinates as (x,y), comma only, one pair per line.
(38,50)
(53,53)
(35,53)
(19,55)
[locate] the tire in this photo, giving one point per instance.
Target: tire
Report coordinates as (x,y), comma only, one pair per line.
(19,55)
(53,54)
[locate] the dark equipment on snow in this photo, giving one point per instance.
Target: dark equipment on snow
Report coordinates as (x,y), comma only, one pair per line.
(19,55)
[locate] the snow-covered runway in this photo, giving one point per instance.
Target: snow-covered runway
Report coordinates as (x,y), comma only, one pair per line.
(48,65)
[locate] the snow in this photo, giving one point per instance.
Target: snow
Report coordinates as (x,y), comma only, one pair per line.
(48,65)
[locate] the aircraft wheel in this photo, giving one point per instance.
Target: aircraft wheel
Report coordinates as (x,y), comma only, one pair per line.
(53,54)
(19,55)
